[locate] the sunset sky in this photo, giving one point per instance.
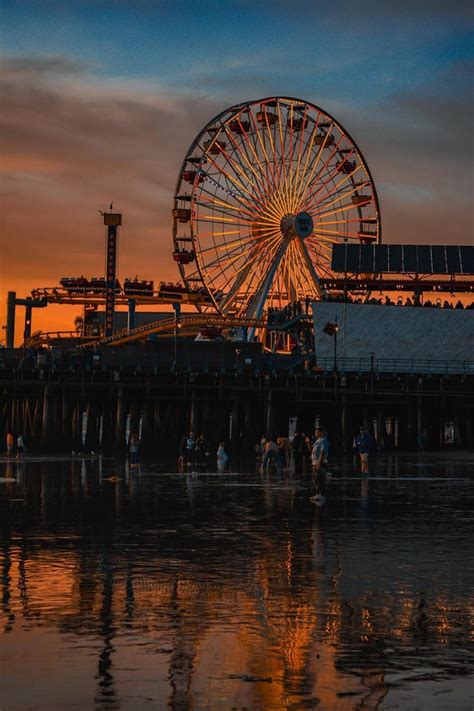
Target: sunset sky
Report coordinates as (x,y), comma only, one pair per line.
(100,101)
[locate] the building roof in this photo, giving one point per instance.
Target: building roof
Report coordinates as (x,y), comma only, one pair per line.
(442,338)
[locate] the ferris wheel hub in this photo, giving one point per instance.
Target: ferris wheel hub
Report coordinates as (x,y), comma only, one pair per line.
(299,225)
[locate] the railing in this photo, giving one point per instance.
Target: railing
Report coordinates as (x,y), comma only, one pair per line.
(212,358)
(397,365)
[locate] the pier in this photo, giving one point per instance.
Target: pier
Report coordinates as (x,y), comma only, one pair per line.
(70,402)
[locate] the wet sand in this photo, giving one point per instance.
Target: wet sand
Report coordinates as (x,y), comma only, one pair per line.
(126,589)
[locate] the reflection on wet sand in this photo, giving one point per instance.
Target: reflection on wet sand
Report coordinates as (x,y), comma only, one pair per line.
(198,592)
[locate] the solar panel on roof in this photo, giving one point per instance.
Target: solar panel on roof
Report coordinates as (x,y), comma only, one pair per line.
(409,258)
(367,258)
(453,260)
(424,258)
(395,258)
(337,260)
(467,259)
(353,258)
(381,258)
(438,256)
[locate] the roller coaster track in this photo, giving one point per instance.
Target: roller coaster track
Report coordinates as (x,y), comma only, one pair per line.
(187,325)
(59,295)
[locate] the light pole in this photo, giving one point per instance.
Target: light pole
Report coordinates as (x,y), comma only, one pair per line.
(336,329)
(331,329)
(177,312)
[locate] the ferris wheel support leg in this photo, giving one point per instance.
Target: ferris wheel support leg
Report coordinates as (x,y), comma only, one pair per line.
(227,301)
(258,302)
(310,266)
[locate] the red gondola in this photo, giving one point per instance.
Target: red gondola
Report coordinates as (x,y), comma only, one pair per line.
(267,117)
(183,256)
(216,147)
(346,166)
(181,214)
(190,175)
(367,237)
(239,127)
(296,124)
(319,139)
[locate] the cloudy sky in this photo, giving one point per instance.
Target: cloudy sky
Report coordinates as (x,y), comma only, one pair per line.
(100,101)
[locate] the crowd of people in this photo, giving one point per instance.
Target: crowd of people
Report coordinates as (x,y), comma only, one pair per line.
(309,454)
(195,451)
(387,301)
(20,445)
(281,316)
(287,313)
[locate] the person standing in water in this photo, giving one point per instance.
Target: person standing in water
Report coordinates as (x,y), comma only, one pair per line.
(363,443)
(222,457)
(319,458)
(20,446)
(134,447)
(10,443)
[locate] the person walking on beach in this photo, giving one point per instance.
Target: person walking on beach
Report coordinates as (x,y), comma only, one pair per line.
(222,457)
(271,454)
(190,445)
(134,447)
(201,450)
(297,446)
(10,443)
(319,458)
(182,451)
(363,443)
(20,446)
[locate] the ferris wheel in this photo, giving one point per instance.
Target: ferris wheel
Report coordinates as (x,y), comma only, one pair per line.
(265,190)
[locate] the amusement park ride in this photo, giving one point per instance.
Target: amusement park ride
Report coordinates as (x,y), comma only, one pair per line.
(265,192)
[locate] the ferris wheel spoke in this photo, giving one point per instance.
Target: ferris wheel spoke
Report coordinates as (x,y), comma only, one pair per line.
(282,147)
(325,166)
(339,198)
(294,205)
(234,181)
(238,284)
(219,206)
(256,248)
(244,272)
(325,178)
(290,196)
(248,244)
(321,237)
(279,156)
(253,150)
(344,208)
(341,222)
(238,169)
(321,257)
(270,179)
(308,150)
(259,199)
(331,175)
(313,161)
(261,188)
(237,208)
